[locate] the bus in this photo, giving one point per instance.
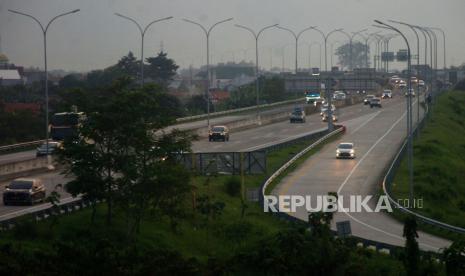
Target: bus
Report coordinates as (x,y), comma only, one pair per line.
(64,125)
(312,97)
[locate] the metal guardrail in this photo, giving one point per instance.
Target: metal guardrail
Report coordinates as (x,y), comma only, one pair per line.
(21,145)
(388,180)
(214,114)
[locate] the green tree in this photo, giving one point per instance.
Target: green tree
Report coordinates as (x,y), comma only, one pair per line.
(412,251)
(359,52)
(121,154)
(454,258)
(161,68)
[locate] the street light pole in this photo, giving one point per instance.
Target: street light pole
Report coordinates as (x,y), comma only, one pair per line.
(327,89)
(444,45)
(142,34)
(351,45)
(256,35)
(44,32)
(409,107)
(207,34)
(418,62)
(296,37)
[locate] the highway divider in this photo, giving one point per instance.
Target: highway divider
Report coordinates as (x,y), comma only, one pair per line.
(228,112)
(9,148)
(23,168)
(390,175)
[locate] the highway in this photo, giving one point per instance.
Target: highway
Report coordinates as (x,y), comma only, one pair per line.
(247,140)
(377,139)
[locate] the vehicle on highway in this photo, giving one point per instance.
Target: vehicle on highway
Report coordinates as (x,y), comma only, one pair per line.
(339,95)
(345,150)
(24,191)
(402,84)
(52,147)
(387,94)
(325,118)
(298,115)
(421,82)
(411,91)
(312,96)
(375,102)
(367,99)
(64,125)
(218,133)
(324,109)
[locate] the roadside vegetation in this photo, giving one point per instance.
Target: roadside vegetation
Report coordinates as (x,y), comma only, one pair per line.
(439,164)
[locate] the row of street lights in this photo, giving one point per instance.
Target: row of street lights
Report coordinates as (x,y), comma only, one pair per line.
(427,32)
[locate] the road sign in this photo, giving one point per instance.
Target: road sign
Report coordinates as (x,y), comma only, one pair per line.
(402,55)
(387,56)
(343,228)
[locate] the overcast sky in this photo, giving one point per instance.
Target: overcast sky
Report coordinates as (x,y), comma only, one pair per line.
(95,38)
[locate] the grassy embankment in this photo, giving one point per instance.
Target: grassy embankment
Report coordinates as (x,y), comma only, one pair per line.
(439,165)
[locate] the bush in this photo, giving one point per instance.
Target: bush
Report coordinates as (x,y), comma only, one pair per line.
(233,186)
(460,85)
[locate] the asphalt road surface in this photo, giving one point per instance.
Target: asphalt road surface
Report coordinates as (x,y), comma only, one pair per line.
(377,139)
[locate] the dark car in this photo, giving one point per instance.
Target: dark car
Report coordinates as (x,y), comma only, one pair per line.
(24,191)
(297,116)
(375,102)
(218,133)
(52,147)
(368,99)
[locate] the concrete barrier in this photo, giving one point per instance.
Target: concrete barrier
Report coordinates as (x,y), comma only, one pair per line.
(21,168)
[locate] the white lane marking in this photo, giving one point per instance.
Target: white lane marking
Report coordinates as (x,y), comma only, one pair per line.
(366,122)
(355,168)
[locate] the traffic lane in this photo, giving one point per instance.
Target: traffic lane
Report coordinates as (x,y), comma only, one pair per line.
(324,173)
(50,181)
(17,156)
(229,118)
(253,138)
(363,180)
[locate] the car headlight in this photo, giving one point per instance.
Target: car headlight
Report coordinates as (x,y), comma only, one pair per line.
(338,151)
(352,151)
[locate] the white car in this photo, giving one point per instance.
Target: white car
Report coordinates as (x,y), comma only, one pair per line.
(387,94)
(324,109)
(411,92)
(345,150)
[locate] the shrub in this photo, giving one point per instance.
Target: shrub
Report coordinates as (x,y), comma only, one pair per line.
(233,186)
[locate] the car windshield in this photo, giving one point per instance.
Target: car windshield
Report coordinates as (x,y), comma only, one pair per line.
(345,146)
(218,129)
(20,185)
(298,113)
(50,146)
(370,96)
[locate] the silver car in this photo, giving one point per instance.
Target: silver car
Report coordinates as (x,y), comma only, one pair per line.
(345,150)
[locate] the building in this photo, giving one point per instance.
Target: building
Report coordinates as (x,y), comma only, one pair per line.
(10,77)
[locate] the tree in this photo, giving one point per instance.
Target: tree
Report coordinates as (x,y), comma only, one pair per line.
(359,52)
(121,155)
(454,257)
(412,251)
(161,68)
(129,65)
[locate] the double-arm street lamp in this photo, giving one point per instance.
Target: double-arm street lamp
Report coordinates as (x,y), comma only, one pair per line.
(327,84)
(351,39)
(296,37)
(256,35)
(409,105)
(142,35)
(366,38)
(44,32)
(207,34)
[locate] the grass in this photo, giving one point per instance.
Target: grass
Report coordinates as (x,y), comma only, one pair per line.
(439,165)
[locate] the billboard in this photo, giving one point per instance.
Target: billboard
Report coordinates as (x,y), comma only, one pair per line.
(387,56)
(402,55)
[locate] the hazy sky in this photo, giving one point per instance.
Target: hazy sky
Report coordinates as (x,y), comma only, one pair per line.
(95,38)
